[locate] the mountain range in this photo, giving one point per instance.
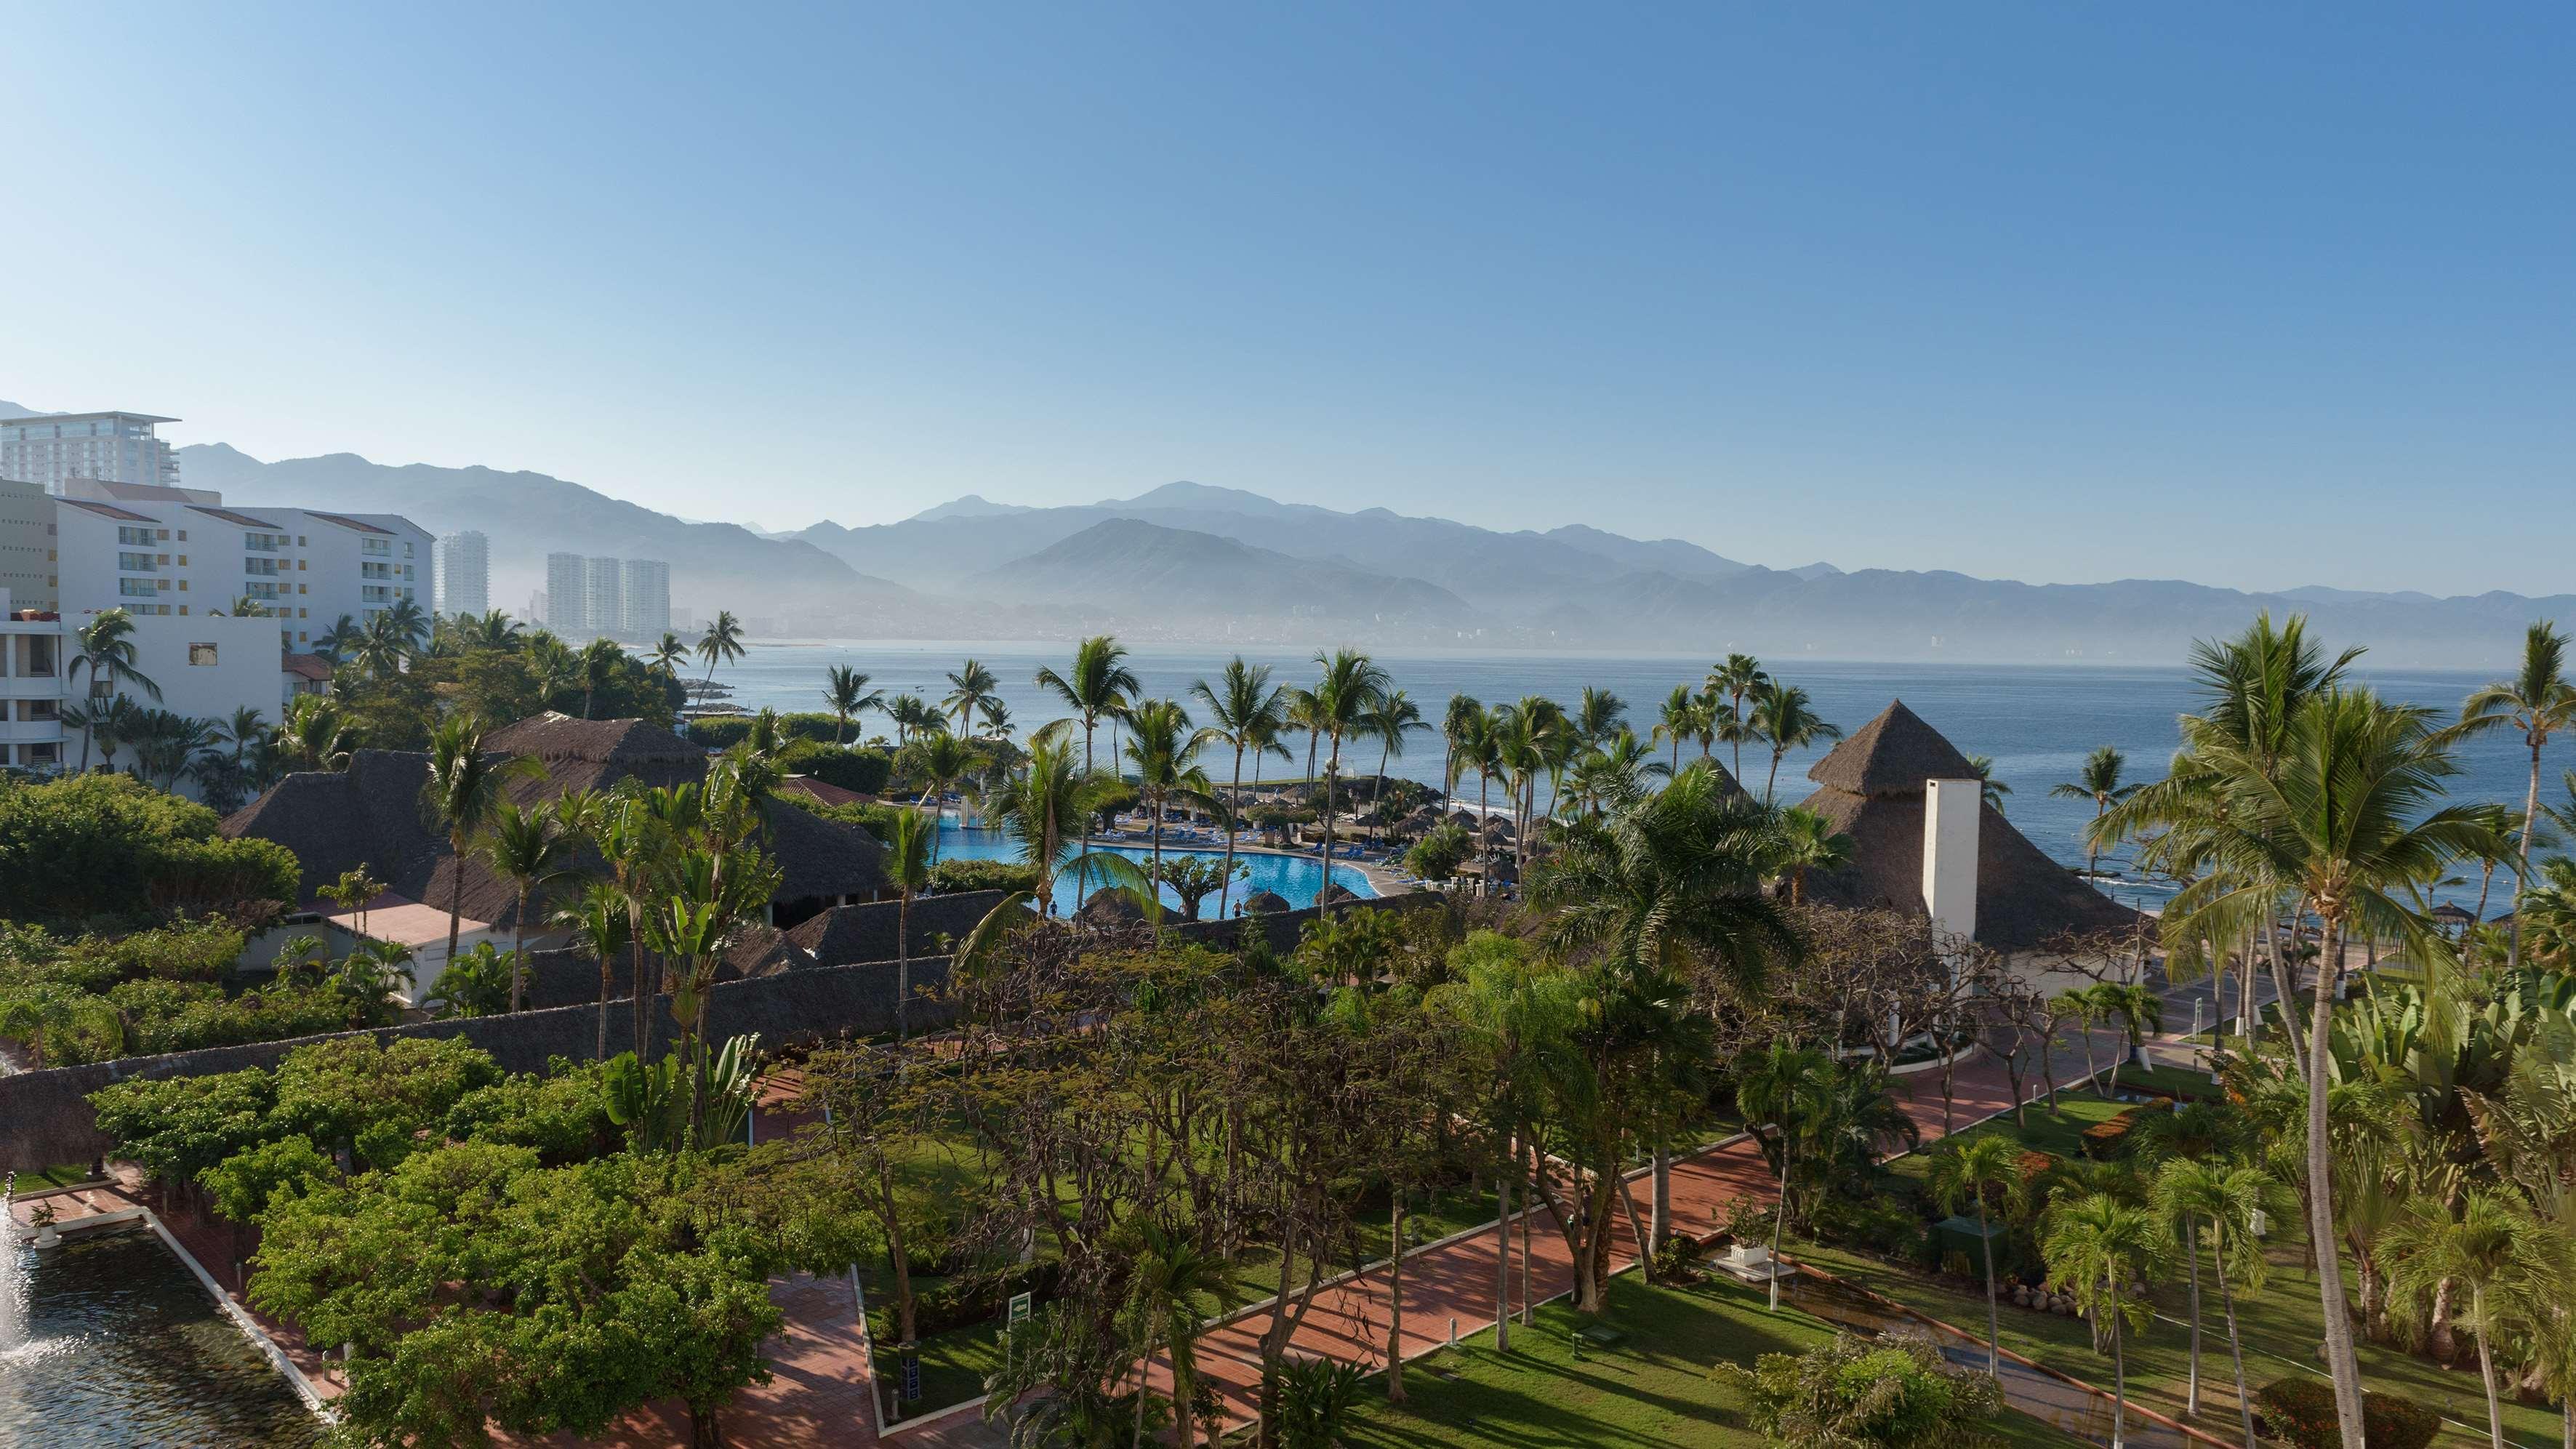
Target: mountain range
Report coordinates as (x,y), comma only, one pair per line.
(1192,563)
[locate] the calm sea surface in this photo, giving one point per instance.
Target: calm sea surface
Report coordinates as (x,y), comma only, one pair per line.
(2037,721)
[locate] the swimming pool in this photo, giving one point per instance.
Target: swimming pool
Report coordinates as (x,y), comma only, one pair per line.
(1293,878)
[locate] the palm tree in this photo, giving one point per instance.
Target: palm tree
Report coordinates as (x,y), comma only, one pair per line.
(1395,716)
(1739,677)
(1456,723)
(2483,1250)
(2538,701)
(1784,719)
(997,719)
(2097,1246)
(313,735)
(2099,782)
(940,760)
(598,919)
(667,655)
(1352,687)
(911,713)
(1784,1085)
(1610,776)
(533,850)
(722,643)
(1172,1277)
(598,669)
(1250,713)
(462,796)
(1990,791)
(246,728)
(1045,805)
(340,643)
(969,687)
(2191,1191)
(1096,686)
(1807,841)
(105,648)
(2339,818)
(1678,720)
(1161,745)
(1974,1171)
(1598,715)
(910,837)
(846,691)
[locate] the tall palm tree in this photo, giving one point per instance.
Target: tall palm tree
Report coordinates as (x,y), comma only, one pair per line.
(846,691)
(243,730)
(911,713)
(1976,1171)
(2099,782)
(598,670)
(461,796)
(1610,776)
(1171,1282)
(2483,1250)
(2340,818)
(1394,717)
(2195,1191)
(997,719)
(1598,715)
(2098,1246)
(911,836)
(1806,841)
(1990,791)
(1456,722)
(969,686)
(313,735)
(533,850)
(2539,702)
(1784,719)
(1739,678)
(722,643)
(104,647)
(598,919)
(667,655)
(1097,685)
(939,760)
(1783,1085)
(340,642)
(1162,746)
(1678,720)
(1044,805)
(1352,686)
(1250,714)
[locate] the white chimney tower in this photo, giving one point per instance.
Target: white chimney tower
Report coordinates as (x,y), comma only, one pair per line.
(1952,810)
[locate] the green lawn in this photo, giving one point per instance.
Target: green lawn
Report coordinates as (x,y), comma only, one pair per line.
(2057,1130)
(2281,1337)
(60,1175)
(1653,1389)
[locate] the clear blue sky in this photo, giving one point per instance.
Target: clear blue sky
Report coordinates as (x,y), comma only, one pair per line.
(2057,292)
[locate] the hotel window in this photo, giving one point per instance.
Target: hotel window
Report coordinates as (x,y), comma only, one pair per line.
(135,563)
(129,535)
(201,654)
(134,588)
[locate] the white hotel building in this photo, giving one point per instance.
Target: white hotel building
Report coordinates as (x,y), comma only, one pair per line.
(52,450)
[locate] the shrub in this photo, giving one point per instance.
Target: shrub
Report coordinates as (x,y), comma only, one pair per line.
(563,1114)
(1888,1392)
(964,1301)
(863,770)
(112,846)
(184,1016)
(721,732)
(2301,1410)
(953,877)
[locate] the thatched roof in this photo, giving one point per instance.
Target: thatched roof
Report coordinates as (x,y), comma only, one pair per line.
(1333,891)
(1110,908)
(2023,897)
(849,935)
(1264,903)
(1891,755)
(370,815)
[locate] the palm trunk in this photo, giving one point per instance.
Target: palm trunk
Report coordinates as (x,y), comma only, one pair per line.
(1994,1320)
(518,954)
(1332,771)
(2235,1344)
(1082,872)
(1395,1311)
(2513,950)
(1158,872)
(1385,753)
(455,898)
(1773,780)
(2321,1219)
(902,962)
(1503,1261)
(602,1053)
(2284,985)
(1660,1229)
(2191,1382)
(2119,1376)
(1779,1218)
(1233,809)
(1529,1303)
(2486,1368)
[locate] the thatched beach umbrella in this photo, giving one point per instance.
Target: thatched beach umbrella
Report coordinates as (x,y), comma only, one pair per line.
(1264,903)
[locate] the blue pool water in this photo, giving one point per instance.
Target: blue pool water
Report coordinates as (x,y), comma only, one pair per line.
(1293,878)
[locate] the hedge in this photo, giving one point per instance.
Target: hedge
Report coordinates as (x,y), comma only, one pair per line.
(953,877)
(2301,1411)
(863,770)
(723,732)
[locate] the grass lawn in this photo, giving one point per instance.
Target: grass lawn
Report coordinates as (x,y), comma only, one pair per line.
(953,1364)
(2281,1337)
(2056,1130)
(62,1174)
(1653,1389)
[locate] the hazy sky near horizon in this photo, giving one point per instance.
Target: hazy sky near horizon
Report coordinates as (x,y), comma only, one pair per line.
(2257,296)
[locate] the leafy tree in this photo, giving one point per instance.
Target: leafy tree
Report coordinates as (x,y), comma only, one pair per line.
(1439,853)
(97,845)
(1867,1393)
(1194,878)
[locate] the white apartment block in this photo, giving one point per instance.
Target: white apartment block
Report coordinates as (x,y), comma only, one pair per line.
(124,547)
(464,573)
(603,595)
(206,667)
(26,544)
(567,595)
(646,584)
(113,447)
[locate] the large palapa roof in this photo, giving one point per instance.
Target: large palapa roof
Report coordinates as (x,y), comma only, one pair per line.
(371,815)
(1873,792)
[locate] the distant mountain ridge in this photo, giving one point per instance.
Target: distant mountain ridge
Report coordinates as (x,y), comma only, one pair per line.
(1147,569)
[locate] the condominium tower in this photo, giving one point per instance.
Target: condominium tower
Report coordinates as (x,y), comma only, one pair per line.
(603,595)
(464,573)
(646,584)
(112,447)
(567,595)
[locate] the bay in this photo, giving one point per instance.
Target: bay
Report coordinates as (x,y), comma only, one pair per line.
(2038,722)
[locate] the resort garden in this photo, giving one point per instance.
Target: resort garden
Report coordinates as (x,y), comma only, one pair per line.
(1661,1015)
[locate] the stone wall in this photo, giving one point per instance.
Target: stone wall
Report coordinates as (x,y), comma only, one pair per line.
(45,1117)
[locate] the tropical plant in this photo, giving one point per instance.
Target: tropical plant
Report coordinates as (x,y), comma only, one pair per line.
(1250,713)
(2096,1247)
(1162,746)
(1806,841)
(480,982)
(2099,781)
(1173,1279)
(1598,714)
(2193,1193)
(2484,1249)
(2537,702)
(1973,1173)
(1680,719)
(1350,690)
(970,687)
(461,797)
(598,919)
(1394,716)
(1866,1393)
(1783,1086)
(1096,686)
(1786,720)
(532,849)
(104,648)
(1739,678)
(1990,791)
(667,655)
(721,643)
(846,691)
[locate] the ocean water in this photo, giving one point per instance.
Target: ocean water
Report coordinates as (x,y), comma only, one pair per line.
(2038,722)
(1294,878)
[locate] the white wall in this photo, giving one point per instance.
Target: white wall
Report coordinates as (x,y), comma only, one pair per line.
(1952,812)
